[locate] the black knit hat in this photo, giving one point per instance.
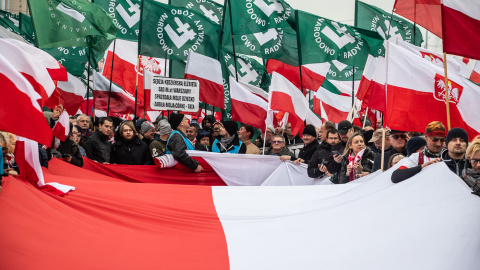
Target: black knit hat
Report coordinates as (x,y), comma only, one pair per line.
(231,127)
(456,133)
(414,144)
(310,130)
(175,120)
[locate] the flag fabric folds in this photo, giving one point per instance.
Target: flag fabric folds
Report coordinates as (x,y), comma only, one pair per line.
(72,94)
(126,16)
(210,9)
(120,101)
(247,107)
(426,13)
(62,126)
(313,75)
(20,105)
(172,32)
(418,92)
(208,72)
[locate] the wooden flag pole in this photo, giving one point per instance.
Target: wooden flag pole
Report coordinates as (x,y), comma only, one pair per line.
(447,93)
(136,85)
(365,118)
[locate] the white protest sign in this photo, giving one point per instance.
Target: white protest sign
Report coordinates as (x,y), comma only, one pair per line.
(171,94)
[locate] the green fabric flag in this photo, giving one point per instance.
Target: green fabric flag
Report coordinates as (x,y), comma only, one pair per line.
(267,42)
(75,59)
(172,32)
(389,27)
(11,22)
(249,71)
(341,72)
(324,40)
(27,27)
(126,16)
(70,23)
(209,9)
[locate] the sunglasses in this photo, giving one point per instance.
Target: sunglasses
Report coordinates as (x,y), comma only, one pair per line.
(396,137)
(277,142)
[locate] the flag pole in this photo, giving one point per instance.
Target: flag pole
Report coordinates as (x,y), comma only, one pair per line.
(299,46)
(447,93)
(365,118)
(111,77)
(136,84)
(233,43)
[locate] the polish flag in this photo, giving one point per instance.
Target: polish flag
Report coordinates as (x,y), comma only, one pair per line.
(33,70)
(461,27)
(418,92)
(208,72)
(427,13)
(27,158)
(255,90)
(56,70)
(62,127)
(333,106)
(72,93)
(247,107)
(374,96)
(313,75)
(120,101)
(285,96)
(367,76)
(475,75)
(19,109)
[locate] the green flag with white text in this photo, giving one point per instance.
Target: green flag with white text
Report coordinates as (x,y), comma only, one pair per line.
(74,59)
(173,32)
(69,23)
(27,27)
(388,26)
(325,40)
(209,9)
(126,16)
(11,22)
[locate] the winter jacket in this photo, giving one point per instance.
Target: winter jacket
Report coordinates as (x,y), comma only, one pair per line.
(323,155)
(69,147)
(98,148)
(307,151)
(234,147)
(366,161)
(457,166)
(131,152)
(177,146)
(377,163)
(472,178)
(283,152)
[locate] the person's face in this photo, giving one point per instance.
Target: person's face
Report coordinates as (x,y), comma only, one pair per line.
(307,139)
(379,123)
(343,137)
(73,121)
(184,123)
(243,134)
(399,140)
(191,133)
(435,144)
(332,138)
(357,144)
(205,141)
(224,133)
(475,161)
(208,124)
(323,132)
(288,129)
(84,122)
(277,144)
(149,134)
(127,132)
(106,128)
(457,146)
(74,135)
(216,130)
(269,135)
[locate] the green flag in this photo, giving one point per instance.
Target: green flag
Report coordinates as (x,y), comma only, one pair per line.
(126,16)
(64,23)
(388,26)
(74,59)
(172,32)
(209,9)
(27,27)
(12,23)
(269,41)
(341,72)
(324,40)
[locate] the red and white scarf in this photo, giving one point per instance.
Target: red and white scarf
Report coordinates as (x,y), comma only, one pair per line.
(351,161)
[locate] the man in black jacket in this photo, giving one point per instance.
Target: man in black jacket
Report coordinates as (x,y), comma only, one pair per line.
(311,144)
(178,142)
(317,167)
(98,146)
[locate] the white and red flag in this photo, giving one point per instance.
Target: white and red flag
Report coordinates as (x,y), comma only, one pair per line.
(208,72)
(247,107)
(33,70)
(120,101)
(72,93)
(461,27)
(333,106)
(286,97)
(427,13)
(366,79)
(313,75)
(62,126)
(20,111)
(418,92)
(27,158)
(475,75)
(373,94)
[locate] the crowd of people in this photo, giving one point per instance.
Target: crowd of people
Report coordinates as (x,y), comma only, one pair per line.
(342,152)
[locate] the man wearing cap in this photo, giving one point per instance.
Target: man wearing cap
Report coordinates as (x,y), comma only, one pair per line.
(415,145)
(228,141)
(377,141)
(398,139)
(178,143)
(345,129)
(158,146)
(310,144)
(454,157)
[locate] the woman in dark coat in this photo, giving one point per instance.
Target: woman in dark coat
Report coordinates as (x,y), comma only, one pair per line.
(128,148)
(357,159)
